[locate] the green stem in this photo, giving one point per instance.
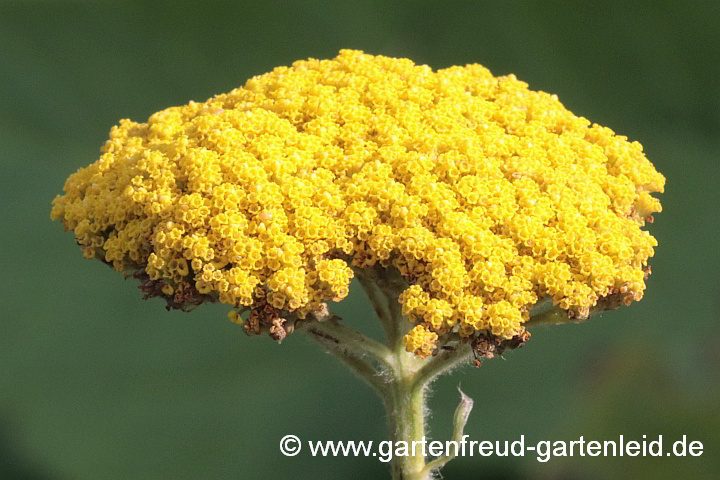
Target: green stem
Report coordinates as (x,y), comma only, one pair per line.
(442,363)
(405,402)
(405,406)
(351,342)
(358,364)
(548,316)
(398,377)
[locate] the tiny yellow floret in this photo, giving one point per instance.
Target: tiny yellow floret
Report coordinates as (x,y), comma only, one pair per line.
(421,341)
(485,195)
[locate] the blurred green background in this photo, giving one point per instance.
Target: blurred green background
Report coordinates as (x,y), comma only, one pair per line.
(97,384)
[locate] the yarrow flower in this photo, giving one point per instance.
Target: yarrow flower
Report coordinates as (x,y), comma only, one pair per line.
(467,206)
(484,195)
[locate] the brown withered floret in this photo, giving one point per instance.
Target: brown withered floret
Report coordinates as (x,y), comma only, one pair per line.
(647,271)
(277,330)
(252,324)
(488,346)
(184,295)
(264,318)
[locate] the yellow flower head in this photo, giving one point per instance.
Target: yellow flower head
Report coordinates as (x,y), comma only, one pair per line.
(486,196)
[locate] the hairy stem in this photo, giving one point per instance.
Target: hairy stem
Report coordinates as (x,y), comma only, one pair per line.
(405,406)
(442,363)
(337,345)
(398,377)
(352,342)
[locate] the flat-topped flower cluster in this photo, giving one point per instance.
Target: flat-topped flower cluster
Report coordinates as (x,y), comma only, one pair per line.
(485,195)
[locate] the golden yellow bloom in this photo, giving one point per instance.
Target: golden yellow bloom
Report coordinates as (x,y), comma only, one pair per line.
(485,195)
(421,341)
